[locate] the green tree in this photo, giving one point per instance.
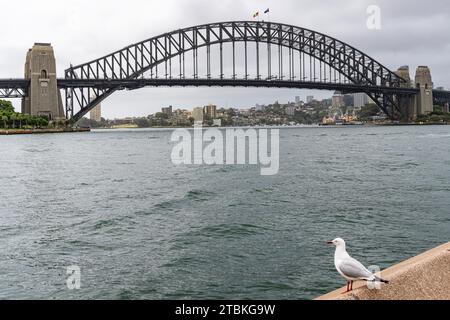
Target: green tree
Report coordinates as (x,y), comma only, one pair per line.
(369,110)
(6,106)
(4,121)
(142,122)
(11,119)
(161,115)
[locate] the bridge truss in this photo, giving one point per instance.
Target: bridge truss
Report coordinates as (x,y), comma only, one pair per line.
(13,88)
(258,54)
(231,54)
(441,96)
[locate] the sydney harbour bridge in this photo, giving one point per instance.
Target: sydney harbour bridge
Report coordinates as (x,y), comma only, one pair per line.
(227,54)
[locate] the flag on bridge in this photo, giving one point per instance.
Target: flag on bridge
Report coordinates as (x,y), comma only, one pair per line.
(267,11)
(256,15)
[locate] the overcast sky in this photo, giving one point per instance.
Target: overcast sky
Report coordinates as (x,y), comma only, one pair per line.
(413,33)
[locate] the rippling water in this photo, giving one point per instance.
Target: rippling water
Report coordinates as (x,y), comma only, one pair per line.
(112,203)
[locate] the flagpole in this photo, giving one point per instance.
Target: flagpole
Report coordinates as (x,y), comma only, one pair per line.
(267,12)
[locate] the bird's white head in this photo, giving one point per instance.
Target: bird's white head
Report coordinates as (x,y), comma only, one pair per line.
(338,242)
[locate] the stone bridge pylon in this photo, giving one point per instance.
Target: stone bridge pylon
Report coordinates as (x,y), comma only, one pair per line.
(44,98)
(422,103)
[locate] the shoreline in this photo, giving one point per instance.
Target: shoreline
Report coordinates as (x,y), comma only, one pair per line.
(370,125)
(79,130)
(41,131)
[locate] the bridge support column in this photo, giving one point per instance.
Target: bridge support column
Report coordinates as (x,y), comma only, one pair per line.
(406,103)
(424,101)
(44,98)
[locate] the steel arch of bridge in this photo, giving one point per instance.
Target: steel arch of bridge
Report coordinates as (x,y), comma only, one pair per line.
(123,66)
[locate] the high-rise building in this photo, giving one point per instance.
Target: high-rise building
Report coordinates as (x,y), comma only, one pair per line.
(297,100)
(337,100)
(96,113)
(197,114)
(327,102)
(211,111)
(349,100)
(360,100)
(309,99)
(168,111)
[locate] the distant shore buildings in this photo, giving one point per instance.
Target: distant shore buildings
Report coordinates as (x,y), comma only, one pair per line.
(167,111)
(338,109)
(96,113)
(197,114)
(360,100)
(211,111)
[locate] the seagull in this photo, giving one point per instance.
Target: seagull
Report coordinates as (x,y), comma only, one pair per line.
(351,269)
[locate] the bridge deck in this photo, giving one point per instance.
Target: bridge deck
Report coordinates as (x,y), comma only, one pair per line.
(14,83)
(16,88)
(162,82)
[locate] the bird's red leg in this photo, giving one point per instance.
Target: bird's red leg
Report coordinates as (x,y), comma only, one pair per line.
(348,287)
(351,285)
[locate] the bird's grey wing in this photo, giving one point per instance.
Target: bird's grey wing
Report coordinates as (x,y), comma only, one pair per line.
(354,269)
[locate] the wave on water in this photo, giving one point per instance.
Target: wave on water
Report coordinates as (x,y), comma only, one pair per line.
(231,230)
(199,195)
(105,224)
(173,205)
(224,169)
(393,133)
(35,150)
(269,286)
(267,190)
(404,166)
(435,135)
(177,204)
(111,223)
(220,231)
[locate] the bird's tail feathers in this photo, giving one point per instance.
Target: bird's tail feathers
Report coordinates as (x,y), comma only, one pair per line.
(380,280)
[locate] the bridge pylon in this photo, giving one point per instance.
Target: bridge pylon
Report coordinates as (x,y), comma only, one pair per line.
(406,103)
(44,98)
(424,82)
(411,106)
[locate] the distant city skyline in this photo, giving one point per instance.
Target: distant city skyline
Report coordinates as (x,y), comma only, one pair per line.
(79,35)
(337,100)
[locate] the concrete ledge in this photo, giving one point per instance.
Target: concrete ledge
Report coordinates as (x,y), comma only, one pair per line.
(424,277)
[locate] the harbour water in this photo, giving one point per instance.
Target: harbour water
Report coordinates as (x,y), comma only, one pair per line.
(112,203)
